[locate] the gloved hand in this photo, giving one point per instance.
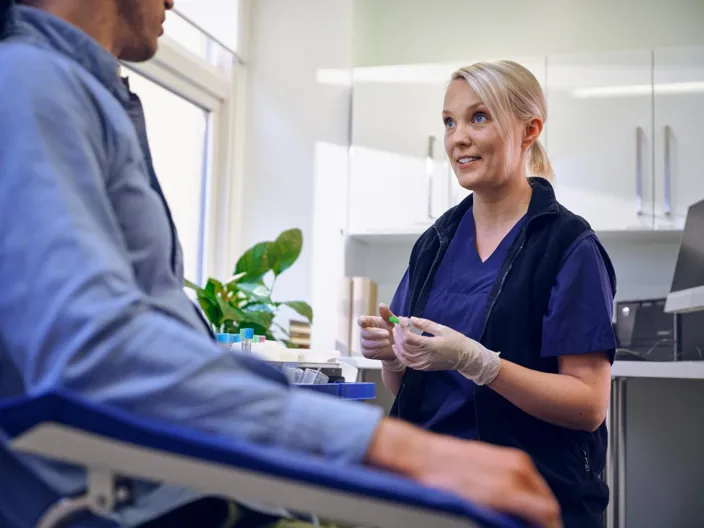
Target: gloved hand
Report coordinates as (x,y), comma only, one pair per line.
(446,350)
(377,339)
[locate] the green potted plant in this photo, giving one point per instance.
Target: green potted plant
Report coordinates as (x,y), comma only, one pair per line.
(245,301)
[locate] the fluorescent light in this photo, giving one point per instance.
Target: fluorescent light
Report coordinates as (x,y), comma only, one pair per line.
(638,89)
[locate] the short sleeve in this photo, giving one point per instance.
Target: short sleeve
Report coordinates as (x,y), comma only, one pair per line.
(580,310)
(399,304)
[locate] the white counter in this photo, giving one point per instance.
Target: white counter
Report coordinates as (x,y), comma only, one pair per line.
(620,369)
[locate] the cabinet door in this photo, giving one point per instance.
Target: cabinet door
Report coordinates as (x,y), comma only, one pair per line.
(397,182)
(600,137)
(536,65)
(679,150)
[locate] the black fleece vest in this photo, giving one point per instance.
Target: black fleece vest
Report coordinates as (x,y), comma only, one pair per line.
(571,461)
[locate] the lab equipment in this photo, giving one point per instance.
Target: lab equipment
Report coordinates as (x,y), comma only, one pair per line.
(409,326)
(293,374)
(247,335)
(314,377)
(687,290)
(111,443)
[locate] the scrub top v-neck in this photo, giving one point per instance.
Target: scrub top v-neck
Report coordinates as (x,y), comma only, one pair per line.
(458,299)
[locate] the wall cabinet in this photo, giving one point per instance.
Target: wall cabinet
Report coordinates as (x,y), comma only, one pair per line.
(599,114)
(678,117)
(623,135)
(396,173)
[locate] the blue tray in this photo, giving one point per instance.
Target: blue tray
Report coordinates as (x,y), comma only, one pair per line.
(346,391)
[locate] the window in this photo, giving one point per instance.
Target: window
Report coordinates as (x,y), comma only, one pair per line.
(191,94)
(178,138)
(219,18)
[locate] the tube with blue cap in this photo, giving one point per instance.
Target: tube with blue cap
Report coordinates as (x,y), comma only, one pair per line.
(247,335)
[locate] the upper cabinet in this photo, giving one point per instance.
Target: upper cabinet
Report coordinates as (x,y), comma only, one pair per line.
(397,176)
(678,110)
(624,138)
(600,137)
(623,135)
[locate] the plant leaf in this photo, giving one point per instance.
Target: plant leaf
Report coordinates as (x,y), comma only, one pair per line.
(285,250)
(255,262)
(230,312)
(260,307)
(256,290)
(210,309)
(302,308)
(192,286)
(262,319)
(213,287)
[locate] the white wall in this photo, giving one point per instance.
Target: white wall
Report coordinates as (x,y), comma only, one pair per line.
(296,140)
(644,265)
(411,31)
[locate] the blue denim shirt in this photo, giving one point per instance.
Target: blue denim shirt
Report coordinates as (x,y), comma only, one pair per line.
(92,286)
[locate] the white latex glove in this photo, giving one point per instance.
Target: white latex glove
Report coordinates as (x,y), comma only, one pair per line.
(446,350)
(376,339)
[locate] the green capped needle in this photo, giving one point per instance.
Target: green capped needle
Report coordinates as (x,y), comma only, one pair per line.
(393,319)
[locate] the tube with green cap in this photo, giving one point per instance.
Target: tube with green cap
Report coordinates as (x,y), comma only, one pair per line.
(393,319)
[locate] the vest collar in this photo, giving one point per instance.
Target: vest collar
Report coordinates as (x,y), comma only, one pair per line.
(542,202)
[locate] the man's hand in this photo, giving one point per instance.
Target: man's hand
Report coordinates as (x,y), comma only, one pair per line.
(376,335)
(495,477)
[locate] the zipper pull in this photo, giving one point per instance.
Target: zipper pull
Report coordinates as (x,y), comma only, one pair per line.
(586,461)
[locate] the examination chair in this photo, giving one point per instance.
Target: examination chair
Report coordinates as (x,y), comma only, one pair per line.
(114,446)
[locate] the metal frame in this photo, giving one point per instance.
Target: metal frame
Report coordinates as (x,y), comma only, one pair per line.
(105,458)
(616,455)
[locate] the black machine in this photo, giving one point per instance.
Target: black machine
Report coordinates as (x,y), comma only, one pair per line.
(646,332)
(670,329)
(687,290)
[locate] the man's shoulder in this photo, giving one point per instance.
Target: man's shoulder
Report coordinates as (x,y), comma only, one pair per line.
(34,70)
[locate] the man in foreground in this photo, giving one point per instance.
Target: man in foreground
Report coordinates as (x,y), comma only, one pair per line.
(92,297)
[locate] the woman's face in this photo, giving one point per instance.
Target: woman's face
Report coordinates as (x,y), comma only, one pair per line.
(477,152)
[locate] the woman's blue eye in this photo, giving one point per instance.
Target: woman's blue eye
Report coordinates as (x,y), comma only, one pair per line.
(449,122)
(479,117)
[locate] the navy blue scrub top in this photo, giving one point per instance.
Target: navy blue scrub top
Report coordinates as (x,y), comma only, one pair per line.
(578,320)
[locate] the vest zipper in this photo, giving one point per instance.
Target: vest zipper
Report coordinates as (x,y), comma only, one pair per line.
(508,270)
(587,465)
(422,289)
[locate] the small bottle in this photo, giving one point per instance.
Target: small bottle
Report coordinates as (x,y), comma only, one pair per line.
(224,341)
(247,335)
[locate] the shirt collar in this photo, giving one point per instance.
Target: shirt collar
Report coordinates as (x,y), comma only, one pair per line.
(43,29)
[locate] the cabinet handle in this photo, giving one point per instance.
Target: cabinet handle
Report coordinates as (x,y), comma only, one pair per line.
(429,169)
(639,171)
(668,175)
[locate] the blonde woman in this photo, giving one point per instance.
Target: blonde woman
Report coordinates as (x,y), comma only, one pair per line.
(514,295)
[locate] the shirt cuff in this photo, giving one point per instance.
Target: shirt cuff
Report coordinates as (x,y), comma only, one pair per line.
(339,430)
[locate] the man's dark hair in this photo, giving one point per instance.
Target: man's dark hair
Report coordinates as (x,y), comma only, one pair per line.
(4,14)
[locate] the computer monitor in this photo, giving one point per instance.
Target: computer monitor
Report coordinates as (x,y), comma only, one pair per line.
(687,291)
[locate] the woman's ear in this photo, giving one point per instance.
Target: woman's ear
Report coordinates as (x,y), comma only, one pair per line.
(531,132)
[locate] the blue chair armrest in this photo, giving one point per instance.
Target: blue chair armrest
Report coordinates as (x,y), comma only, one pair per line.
(19,417)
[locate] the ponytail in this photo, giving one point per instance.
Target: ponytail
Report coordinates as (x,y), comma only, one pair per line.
(538,162)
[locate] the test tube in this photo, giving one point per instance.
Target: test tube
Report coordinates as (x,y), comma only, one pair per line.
(224,341)
(393,319)
(247,336)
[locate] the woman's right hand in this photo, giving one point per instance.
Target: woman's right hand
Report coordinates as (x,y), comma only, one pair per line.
(377,335)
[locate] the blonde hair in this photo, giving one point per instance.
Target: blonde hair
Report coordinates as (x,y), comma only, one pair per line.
(508,88)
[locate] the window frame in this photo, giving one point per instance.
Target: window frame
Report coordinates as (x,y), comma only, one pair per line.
(222,94)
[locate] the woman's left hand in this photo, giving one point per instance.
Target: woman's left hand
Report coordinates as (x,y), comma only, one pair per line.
(446,350)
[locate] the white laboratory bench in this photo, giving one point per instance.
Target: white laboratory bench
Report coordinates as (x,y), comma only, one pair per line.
(622,371)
